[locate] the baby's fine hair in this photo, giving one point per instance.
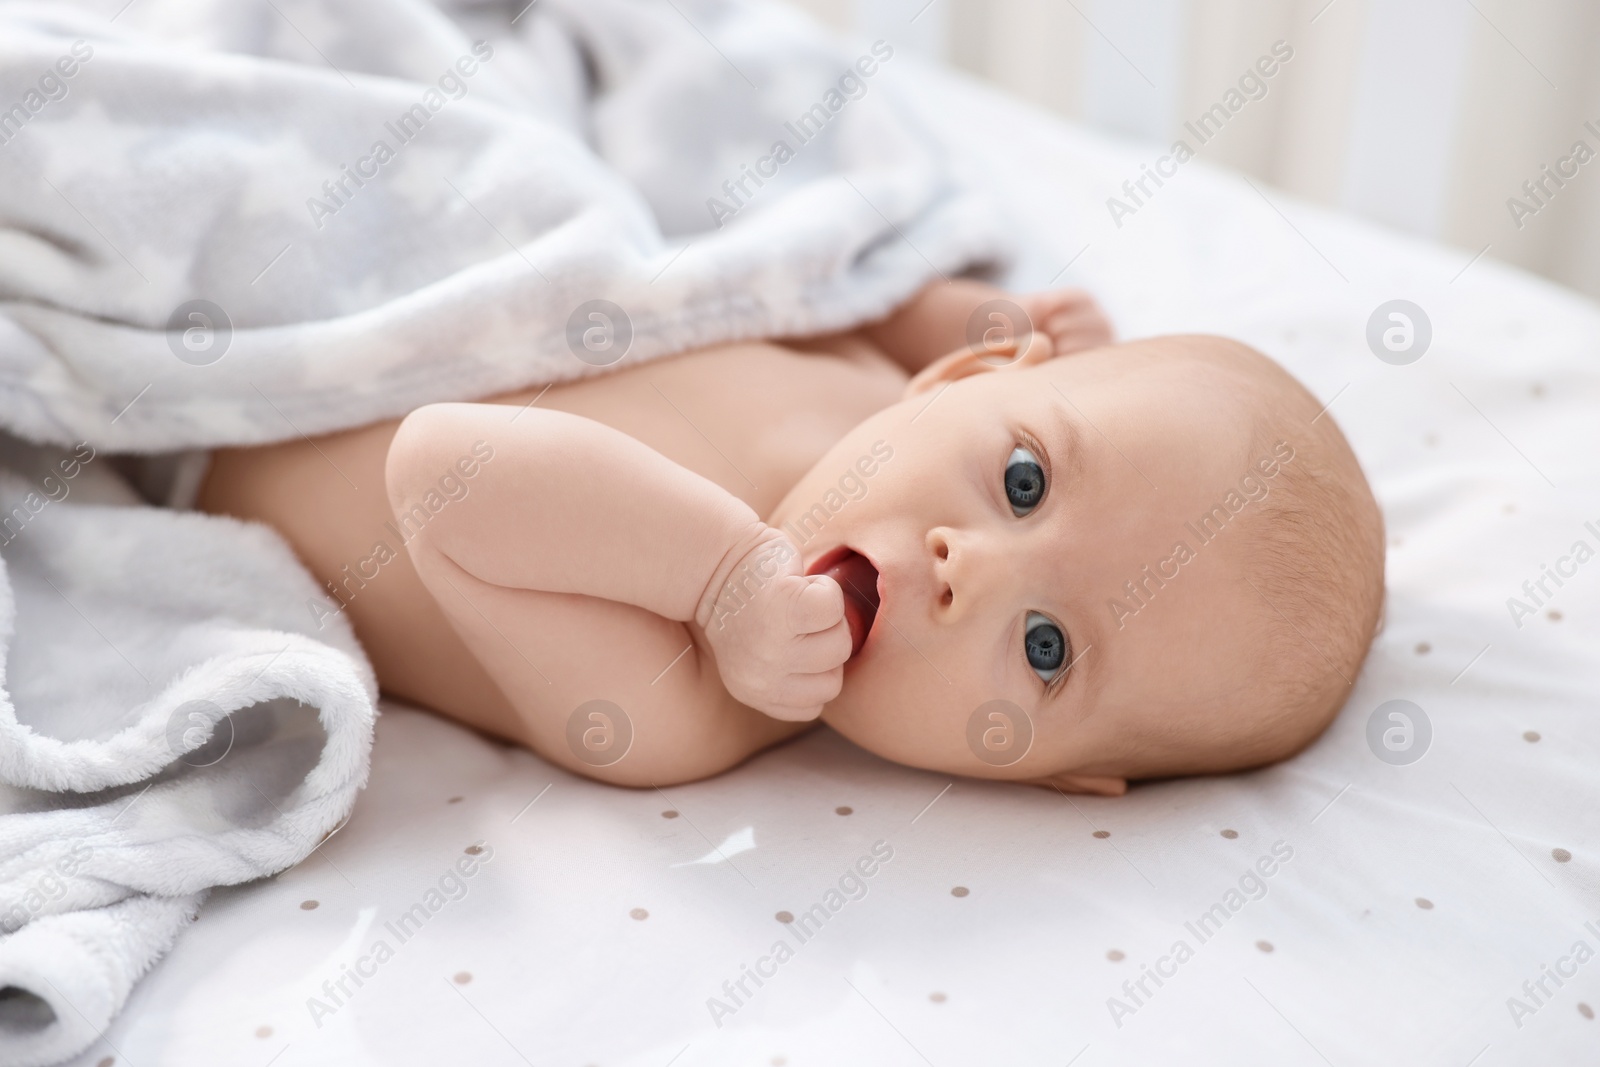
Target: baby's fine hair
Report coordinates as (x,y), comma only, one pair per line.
(1313,550)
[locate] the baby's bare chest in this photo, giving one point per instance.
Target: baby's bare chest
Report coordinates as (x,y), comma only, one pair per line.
(752,418)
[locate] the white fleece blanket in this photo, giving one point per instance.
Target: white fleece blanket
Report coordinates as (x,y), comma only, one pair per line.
(241,222)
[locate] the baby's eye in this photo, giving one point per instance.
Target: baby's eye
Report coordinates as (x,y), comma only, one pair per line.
(1024,481)
(1045,645)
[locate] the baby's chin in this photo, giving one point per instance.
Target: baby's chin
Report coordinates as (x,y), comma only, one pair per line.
(920,734)
(880,731)
(905,749)
(902,735)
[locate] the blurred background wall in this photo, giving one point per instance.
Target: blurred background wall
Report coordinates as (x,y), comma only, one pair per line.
(1425,115)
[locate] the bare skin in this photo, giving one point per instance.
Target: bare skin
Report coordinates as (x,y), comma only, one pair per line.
(454,622)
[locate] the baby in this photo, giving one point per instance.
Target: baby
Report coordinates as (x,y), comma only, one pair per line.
(1034,556)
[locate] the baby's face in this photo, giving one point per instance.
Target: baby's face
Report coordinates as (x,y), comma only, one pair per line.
(1004,514)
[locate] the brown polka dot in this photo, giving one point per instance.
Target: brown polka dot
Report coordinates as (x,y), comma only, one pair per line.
(308,905)
(1424,903)
(639,913)
(107,1062)
(473,850)
(1264,946)
(1553,615)
(784,917)
(1102,834)
(455,800)
(1230,834)
(1530,736)
(1586,1011)
(844,810)
(1561,855)
(1537,389)
(778,1061)
(463,977)
(937,998)
(1116,955)
(1432,440)
(263,1031)
(960,891)
(669,814)
(1423,648)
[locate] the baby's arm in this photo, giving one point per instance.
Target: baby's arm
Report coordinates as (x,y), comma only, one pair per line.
(571,506)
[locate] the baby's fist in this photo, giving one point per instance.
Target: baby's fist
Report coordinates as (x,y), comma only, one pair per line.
(1071,318)
(779,637)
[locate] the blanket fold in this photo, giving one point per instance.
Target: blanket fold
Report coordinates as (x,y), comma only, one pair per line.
(213,240)
(236,222)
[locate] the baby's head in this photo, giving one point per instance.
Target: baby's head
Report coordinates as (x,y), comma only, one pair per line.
(1150,559)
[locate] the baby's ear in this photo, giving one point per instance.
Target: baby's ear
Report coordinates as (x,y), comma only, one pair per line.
(1035,348)
(1083,783)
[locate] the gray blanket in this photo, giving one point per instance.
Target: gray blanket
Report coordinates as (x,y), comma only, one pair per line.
(244,221)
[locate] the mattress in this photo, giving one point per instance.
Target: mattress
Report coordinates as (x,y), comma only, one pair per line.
(1420,889)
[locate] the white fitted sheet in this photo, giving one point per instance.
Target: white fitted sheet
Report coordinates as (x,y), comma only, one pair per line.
(1459,446)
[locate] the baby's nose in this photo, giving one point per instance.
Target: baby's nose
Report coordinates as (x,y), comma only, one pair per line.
(960,572)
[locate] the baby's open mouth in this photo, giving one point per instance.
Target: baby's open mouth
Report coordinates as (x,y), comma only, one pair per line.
(859,579)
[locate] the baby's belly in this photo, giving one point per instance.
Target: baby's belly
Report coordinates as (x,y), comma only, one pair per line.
(751,418)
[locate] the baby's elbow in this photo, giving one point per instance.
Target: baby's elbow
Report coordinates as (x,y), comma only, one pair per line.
(410,468)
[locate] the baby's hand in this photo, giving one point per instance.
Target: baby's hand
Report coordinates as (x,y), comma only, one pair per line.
(1071,318)
(779,637)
